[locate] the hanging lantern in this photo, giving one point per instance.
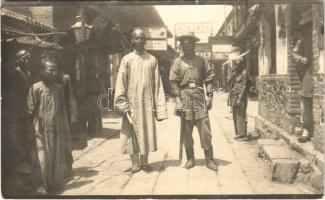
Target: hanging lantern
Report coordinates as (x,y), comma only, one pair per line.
(78,30)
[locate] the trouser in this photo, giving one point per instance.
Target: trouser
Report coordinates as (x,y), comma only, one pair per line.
(203,126)
(239,117)
(136,157)
(139,160)
(307,114)
(90,115)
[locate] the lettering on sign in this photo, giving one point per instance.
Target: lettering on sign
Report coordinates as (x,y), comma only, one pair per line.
(218,55)
(204,54)
(221,48)
(156,45)
(201,30)
(155,32)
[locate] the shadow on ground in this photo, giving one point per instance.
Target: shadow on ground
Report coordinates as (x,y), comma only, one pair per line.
(162,165)
(110,115)
(75,185)
(84,172)
(107,133)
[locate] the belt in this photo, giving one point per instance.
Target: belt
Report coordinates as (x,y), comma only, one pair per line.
(192,86)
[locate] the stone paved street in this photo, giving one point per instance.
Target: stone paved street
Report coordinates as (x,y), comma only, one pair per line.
(101,170)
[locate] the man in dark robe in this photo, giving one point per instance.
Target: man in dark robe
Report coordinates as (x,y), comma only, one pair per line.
(18,140)
(303,58)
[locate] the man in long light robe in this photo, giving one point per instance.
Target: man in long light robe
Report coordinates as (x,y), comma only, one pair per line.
(47,109)
(139,93)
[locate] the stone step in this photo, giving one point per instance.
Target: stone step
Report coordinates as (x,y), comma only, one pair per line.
(286,164)
(311,175)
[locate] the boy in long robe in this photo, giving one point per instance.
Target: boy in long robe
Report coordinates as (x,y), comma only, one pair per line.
(139,94)
(64,81)
(239,99)
(46,107)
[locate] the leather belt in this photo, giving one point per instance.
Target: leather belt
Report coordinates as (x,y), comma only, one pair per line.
(192,86)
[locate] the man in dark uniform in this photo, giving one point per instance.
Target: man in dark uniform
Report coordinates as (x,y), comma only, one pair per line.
(302,56)
(187,76)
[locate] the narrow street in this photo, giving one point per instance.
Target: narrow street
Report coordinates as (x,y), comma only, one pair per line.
(101,170)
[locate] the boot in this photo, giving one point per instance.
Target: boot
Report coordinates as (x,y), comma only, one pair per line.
(135,163)
(144,163)
(135,168)
(209,159)
(40,191)
(190,158)
(305,137)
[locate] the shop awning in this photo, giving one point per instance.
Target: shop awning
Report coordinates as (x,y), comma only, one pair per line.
(35,42)
(25,19)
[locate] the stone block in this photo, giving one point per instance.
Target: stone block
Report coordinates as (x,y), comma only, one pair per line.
(305,166)
(264,142)
(273,152)
(303,178)
(316,180)
(298,131)
(284,170)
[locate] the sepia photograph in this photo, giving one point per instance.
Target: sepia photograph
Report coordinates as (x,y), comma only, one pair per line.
(162,99)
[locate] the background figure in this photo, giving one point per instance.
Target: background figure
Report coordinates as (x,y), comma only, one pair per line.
(22,75)
(90,117)
(17,135)
(139,93)
(47,109)
(238,98)
(302,56)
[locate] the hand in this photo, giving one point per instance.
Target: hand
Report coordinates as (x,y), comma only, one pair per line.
(129,117)
(74,119)
(209,103)
(303,60)
(238,102)
(38,135)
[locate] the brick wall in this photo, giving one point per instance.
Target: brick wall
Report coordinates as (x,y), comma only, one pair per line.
(43,14)
(274,97)
(293,106)
(318,111)
(318,93)
(64,16)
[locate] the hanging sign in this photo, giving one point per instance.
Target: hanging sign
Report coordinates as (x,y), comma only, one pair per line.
(160,45)
(155,32)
